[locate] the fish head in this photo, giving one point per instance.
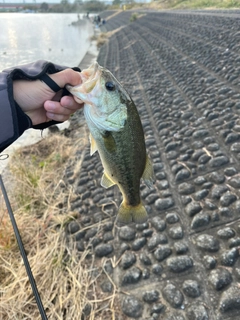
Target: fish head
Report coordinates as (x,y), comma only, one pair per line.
(105,100)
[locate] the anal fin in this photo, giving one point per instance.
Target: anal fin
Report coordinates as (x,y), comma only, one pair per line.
(148,173)
(106,182)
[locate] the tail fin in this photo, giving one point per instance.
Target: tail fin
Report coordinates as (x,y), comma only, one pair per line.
(127,214)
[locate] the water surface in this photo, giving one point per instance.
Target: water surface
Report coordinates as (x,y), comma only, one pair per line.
(29,37)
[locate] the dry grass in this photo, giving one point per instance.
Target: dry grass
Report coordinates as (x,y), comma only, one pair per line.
(104,36)
(40,201)
(102,39)
(192,4)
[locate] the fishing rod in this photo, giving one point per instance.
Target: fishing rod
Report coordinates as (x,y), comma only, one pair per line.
(23,253)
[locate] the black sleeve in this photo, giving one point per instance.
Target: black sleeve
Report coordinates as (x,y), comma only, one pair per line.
(13,121)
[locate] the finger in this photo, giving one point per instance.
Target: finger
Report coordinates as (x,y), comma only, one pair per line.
(69,103)
(55,107)
(67,76)
(57,117)
(66,106)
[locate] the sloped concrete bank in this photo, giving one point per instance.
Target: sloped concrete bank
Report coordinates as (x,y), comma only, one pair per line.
(182,70)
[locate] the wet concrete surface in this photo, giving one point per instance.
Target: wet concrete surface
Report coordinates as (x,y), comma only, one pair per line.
(182,70)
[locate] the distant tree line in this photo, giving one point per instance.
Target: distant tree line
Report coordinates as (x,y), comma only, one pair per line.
(77,6)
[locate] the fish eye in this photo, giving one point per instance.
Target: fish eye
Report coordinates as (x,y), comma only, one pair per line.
(110,86)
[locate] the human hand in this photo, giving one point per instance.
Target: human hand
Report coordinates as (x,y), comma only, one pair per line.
(41,103)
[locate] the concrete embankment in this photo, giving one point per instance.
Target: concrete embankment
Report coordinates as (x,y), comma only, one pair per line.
(182,71)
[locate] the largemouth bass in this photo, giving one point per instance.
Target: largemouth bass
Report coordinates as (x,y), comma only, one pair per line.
(116,133)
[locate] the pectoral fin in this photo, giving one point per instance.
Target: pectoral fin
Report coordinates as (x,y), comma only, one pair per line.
(148,173)
(106,182)
(109,142)
(93,145)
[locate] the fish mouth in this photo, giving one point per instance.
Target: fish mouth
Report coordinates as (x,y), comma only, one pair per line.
(90,73)
(89,78)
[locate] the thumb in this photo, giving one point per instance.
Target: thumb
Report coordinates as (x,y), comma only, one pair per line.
(67,76)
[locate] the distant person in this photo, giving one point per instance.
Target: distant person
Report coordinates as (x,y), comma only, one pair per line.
(32,96)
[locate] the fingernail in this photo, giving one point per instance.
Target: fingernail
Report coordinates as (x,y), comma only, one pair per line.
(70,103)
(51,106)
(50,115)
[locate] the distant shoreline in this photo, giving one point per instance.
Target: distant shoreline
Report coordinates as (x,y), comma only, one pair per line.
(90,56)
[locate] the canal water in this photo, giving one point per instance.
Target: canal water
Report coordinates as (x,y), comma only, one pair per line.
(32,36)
